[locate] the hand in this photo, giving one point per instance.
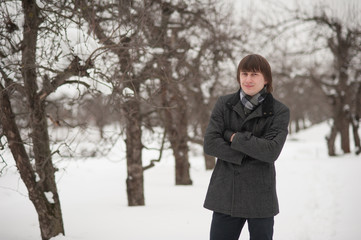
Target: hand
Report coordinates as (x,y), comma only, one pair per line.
(232,137)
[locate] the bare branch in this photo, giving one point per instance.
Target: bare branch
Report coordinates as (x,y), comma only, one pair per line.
(74,69)
(151,164)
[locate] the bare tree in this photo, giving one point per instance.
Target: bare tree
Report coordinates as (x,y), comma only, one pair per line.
(343,41)
(292,84)
(327,40)
(212,70)
(193,45)
(119,35)
(156,69)
(21,71)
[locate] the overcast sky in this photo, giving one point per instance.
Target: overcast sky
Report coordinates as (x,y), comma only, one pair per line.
(339,8)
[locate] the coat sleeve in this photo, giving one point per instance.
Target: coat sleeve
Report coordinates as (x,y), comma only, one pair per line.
(268,147)
(214,143)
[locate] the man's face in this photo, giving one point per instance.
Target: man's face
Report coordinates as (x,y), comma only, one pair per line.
(252,82)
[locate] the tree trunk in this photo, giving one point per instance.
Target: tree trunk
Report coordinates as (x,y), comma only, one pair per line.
(178,137)
(176,124)
(210,161)
(135,179)
(297,123)
(355,126)
(50,216)
(47,206)
(48,210)
(180,152)
(345,133)
(340,125)
(355,119)
(331,141)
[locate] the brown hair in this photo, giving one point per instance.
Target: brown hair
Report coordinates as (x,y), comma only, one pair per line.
(256,63)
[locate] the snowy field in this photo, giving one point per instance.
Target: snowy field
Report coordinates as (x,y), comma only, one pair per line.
(320,198)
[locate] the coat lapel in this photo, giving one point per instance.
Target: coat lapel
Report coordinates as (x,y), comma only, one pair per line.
(264,110)
(238,108)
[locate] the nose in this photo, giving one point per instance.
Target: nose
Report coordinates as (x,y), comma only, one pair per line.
(248,78)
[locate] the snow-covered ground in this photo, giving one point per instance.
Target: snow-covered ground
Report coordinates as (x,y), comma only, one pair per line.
(320,198)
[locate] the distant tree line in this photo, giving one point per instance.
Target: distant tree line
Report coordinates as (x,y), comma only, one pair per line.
(159,64)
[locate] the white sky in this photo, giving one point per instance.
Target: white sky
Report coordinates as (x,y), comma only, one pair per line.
(340,8)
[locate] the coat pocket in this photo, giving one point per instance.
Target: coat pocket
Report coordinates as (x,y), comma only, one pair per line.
(255,176)
(220,189)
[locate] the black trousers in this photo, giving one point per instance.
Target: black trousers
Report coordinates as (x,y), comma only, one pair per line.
(226,227)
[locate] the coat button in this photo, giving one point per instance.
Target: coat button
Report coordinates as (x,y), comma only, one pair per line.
(236,173)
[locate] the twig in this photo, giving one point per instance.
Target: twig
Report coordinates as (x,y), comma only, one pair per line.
(151,164)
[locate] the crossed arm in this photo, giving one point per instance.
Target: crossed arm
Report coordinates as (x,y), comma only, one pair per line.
(234,146)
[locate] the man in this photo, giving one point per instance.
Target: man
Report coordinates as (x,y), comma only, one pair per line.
(246,133)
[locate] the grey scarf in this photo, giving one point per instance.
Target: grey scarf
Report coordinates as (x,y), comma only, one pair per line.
(251,102)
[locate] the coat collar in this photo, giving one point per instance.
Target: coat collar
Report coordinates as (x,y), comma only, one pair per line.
(264,110)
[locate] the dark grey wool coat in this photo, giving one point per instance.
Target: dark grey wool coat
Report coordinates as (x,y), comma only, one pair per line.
(243,183)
